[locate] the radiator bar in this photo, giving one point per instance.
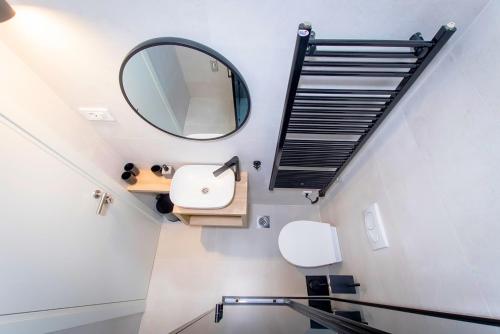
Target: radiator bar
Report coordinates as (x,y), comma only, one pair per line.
(369,42)
(325,126)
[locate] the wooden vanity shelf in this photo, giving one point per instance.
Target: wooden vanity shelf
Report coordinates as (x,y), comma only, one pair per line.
(235,214)
(148,182)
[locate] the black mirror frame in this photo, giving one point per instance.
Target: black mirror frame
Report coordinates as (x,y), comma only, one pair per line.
(189,44)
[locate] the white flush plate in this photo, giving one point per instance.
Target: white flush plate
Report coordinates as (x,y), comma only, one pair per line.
(374,227)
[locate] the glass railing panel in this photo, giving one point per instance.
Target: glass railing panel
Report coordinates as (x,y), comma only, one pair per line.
(252,319)
(408,323)
(292,315)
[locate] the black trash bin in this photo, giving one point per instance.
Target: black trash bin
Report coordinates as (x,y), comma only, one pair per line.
(165,206)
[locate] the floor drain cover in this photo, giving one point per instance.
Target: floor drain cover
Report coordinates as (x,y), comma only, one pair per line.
(264,222)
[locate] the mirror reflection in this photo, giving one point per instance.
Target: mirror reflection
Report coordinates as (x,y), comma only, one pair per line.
(185,92)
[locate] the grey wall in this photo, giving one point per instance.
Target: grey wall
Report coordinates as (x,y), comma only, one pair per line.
(169,73)
(211,108)
(146,93)
(433,169)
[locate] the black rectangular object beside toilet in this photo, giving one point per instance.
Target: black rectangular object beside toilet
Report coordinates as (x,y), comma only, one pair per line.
(318,286)
(343,284)
(353,315)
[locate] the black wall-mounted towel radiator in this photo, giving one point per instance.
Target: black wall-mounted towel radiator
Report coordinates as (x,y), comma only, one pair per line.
(339,92)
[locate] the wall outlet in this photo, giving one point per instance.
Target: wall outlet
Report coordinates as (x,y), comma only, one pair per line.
(307,192)
(96,114)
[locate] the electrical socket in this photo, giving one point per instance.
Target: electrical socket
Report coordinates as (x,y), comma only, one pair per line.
(307,192)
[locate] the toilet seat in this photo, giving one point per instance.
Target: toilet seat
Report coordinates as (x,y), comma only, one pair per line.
(309,244)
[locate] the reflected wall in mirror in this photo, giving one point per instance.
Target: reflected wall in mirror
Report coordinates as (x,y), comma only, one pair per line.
(184,88)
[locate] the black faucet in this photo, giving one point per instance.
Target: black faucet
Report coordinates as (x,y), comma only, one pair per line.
(234,161)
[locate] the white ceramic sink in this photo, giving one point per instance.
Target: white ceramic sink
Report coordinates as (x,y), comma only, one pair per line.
(196,187)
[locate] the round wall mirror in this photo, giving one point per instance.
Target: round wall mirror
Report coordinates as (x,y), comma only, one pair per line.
(184,88)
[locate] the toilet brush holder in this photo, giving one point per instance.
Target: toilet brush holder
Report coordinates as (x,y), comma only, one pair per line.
(167,171)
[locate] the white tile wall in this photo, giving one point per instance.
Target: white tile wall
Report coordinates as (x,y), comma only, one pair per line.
(122,325)
(433,169)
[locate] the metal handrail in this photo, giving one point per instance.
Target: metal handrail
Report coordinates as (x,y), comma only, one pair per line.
(427,312)
(330,320)
(337,323)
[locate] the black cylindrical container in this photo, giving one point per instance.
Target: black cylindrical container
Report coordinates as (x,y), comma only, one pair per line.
(164,205)
(130,167)
(129,177)
(156,169)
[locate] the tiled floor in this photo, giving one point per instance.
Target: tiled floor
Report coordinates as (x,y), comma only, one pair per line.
(195,266)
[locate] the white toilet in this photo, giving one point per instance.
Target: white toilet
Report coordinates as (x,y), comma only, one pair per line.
(309,244)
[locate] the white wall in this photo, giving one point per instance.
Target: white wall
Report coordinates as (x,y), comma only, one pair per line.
(433,169)
(29,102)
(32,106)
(66,318)
(78,47)
(122,325)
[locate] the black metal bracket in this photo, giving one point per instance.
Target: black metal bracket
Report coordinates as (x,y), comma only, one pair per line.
(219,312)
(420,52)
(322,129)
(311,48)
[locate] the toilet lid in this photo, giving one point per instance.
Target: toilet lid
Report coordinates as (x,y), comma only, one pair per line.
(309,244)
